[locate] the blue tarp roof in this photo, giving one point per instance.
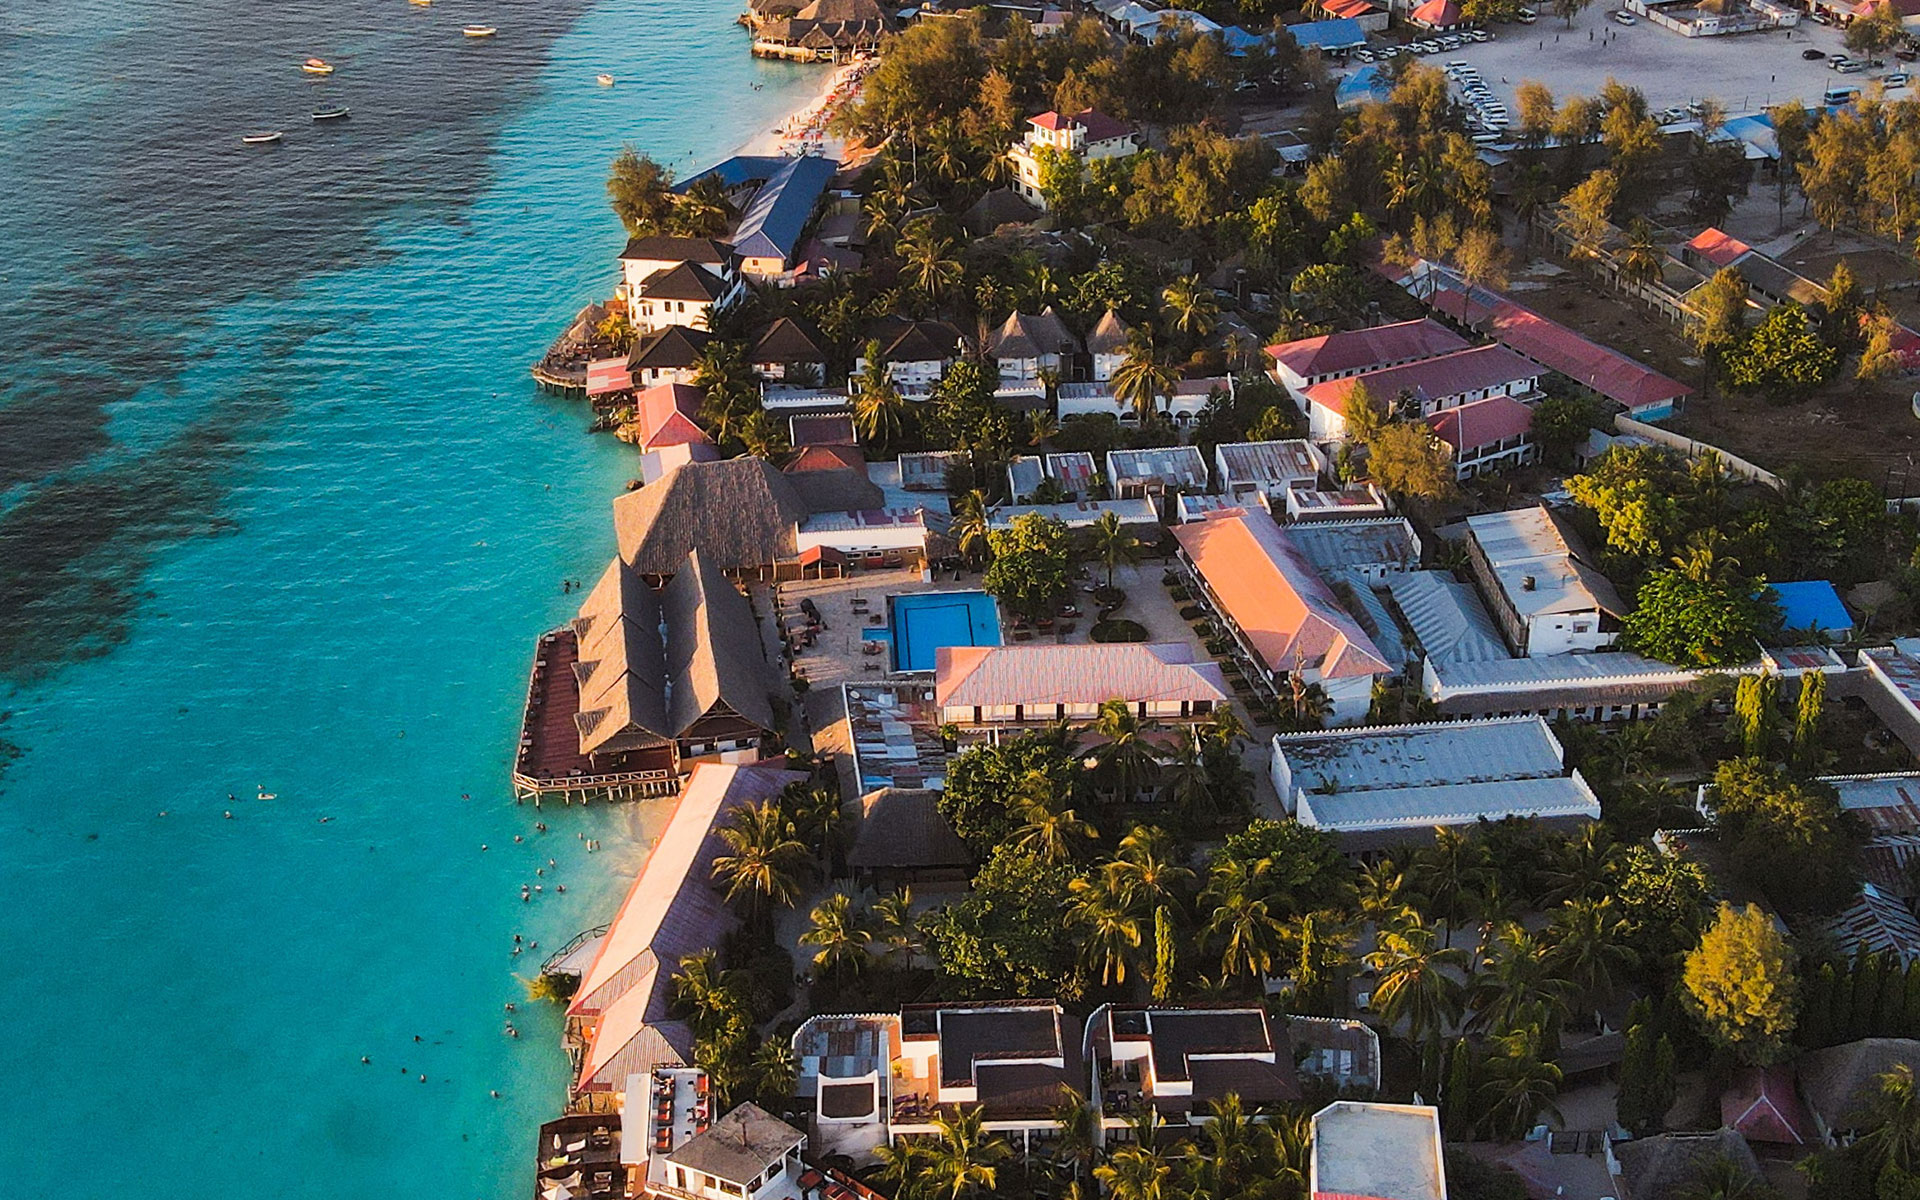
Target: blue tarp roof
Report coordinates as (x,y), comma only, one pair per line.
(1367,83)
(737,170)
(1812,604)
(772,223)
(1343,34)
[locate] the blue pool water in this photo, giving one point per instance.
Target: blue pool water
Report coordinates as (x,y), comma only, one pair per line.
(926,621)
(281,511)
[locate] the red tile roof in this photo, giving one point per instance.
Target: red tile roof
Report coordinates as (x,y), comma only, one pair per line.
(1431,378)
(1481,423)
(663,416)
(1717,247)
(1363,349)
(827,458)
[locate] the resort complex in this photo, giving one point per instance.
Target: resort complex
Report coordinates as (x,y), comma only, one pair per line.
(1209,610)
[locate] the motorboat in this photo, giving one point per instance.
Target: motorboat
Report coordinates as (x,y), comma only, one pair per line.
(603,79)
(317,66)
(478,31)
(264,138)
(421,3)
(332,114)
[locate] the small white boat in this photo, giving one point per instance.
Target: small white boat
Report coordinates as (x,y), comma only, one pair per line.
(478,31)
(263,138)
(332,114)
(603,79)
(317,66)
(421,3)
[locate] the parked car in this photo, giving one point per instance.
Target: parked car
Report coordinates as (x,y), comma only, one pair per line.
(1486,35)
(1622,17)
(1852,66)
(1363,55)
(1906,54)
(1812,55)
(1895,79)
(1837,96)
(1525,16)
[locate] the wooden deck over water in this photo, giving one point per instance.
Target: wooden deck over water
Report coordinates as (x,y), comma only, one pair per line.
(549,762)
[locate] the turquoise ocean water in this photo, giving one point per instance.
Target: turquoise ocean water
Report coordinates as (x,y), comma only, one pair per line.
(281,511)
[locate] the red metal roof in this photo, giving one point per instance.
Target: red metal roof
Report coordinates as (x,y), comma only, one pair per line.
(606,375)
(663,416)
(1481,423)
(1431,378)
(1362,349)
(1438,13)
(1717,247)
(1349,8)
(1098,125)
(1558,348)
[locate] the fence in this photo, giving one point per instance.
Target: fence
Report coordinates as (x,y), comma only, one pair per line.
(1692,449)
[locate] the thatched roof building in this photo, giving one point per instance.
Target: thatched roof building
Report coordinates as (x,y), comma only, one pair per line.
(740,512)
(655,668)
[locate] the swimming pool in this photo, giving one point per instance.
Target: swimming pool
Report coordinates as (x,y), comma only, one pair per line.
(925,621)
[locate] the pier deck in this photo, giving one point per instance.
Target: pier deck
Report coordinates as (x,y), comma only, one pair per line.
(549,762)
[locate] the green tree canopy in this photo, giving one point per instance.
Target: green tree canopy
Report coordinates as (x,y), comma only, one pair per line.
(1740,984)
(1783,358)
(1695,622)
(1007,938)
(1031,559)
(1788,837)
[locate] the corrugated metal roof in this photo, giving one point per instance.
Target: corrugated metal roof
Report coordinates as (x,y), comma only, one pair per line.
(1431,378)
(1371,610)
(1079,513)
(1538,566)
(1024,474)
(771,226)
(1267,463)
(1174,466)
(1075,471)
(1364,349)
(1441,753)
(1450,804)
(1481,423)
(1330,545)
(1447,617)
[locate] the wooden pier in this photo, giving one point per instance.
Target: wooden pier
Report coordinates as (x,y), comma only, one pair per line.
(549,764)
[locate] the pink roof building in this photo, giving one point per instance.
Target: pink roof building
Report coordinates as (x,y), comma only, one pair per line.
(664,416)
(1762,1106)
(1300,364)
(1485,435)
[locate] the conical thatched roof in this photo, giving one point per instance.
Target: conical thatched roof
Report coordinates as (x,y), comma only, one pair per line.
(1110,335)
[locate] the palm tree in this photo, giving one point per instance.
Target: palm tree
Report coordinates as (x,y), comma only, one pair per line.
(1384,897)
(902,1165)
(816,814)
(763,436)
(927,259)
(1516,980)
(1640,258)
(1223,728)
(1112,928)
(961,1159)
(970,525)
(879,410)
(1186,784)
(1143,377)
(843,931)
(765,862)
(896,926)
(1191,306)
(1455,873)
(1075,1117)
(712,996)
(1228,1147)
(1123,759)
(1584,866)
(1724,1179)
(1290,1148)
(1417,982)
(1521,1085)
(1134,1173)
(1109,543)
(1584,946)
(1895,1137)
(1242,925)
(774,1071)
(1050,829)
(1041,427)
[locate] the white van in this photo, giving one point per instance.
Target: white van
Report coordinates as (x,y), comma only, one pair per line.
(1836,96)
(1525,16)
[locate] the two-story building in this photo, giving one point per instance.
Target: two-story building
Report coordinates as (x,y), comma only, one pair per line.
(687,295)
(1540,585)
(749,1154)
(1249,469)
(1026,348)
(1421,389)
(1299,365)
(1107,344)
(1086,137)
(1175,1062)
(1486,435)
(658,253)
(916,354)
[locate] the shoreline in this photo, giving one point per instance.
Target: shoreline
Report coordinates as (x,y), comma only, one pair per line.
(803,130)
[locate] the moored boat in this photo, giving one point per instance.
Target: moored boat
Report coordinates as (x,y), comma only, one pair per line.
(604,79)
(265,137)
(478,31)
(332,114)
(421,3)
(317,66)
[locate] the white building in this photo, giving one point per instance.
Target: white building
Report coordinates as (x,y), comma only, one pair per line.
(1156,471)
(1175,1061)
(996,687)
(645,257)
(1421,389)
(1301,364)
(685,295)
(749,1154)
(1386,785)
(1350,503)
(1385,1151)
(1546,596)
(916,353)
(1376,547)
(1027,347)
(1267,468)
(1084,138)
(1107,343)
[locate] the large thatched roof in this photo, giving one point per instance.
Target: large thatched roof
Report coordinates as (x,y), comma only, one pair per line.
(653,663)
(740,512)
(1840,1082)
(1664,1165)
